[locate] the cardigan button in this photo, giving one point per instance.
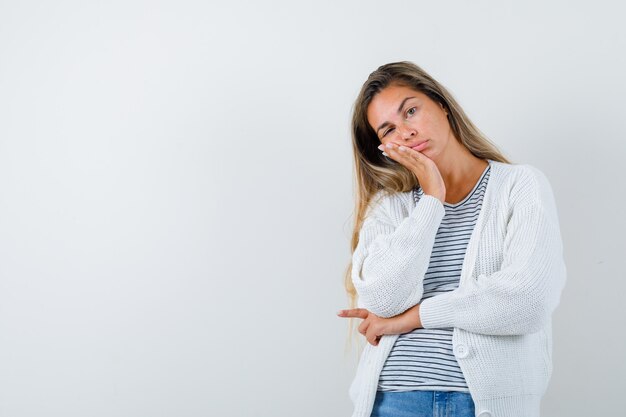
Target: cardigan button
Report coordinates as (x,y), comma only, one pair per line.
(461,350)
(484,413)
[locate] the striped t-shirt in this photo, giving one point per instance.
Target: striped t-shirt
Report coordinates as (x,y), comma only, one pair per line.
(423,359)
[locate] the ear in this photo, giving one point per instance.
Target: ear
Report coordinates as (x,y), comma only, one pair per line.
(443,108)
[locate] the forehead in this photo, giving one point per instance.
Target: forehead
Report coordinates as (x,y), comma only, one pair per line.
(385,104)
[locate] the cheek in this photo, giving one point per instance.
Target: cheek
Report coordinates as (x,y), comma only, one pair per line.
(434,124)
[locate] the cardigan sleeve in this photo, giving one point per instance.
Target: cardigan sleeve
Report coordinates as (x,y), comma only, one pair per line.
(391,257)
(520,297)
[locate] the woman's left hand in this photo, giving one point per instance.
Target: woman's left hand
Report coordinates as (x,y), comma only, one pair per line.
(374,327)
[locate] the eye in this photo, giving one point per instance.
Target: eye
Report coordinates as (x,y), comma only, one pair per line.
(411,111)
(387,131)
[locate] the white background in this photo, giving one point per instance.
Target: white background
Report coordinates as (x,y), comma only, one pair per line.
(176,192)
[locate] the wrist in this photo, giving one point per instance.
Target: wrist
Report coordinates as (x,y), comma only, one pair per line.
(411,319)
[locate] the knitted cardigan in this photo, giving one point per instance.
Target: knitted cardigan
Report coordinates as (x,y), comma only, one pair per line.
(511,282)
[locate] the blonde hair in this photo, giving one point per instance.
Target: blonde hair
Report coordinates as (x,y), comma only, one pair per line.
(373,171)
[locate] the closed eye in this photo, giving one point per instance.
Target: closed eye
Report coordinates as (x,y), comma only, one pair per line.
(387,131)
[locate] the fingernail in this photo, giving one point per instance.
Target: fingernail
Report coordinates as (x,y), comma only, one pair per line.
(381,147)
(340,312)
(385,154)
(403,148)
(389,146)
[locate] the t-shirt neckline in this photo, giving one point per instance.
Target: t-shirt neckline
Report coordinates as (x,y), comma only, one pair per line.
(469,195)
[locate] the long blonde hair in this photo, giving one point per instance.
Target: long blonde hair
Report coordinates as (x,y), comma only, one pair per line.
(373,171)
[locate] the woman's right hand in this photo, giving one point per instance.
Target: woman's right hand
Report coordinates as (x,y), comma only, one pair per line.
(421,166)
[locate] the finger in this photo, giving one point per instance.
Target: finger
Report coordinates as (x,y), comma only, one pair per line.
(360,313)
(410,158)
(372,337)
(363,327)
(407,155)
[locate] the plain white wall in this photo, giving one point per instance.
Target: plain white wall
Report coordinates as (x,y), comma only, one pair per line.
(176,191)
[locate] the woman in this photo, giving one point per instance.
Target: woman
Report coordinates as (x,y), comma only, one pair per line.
(457,260)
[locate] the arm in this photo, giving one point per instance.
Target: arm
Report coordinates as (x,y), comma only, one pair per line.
(521,296)
(374,327)
(390,260)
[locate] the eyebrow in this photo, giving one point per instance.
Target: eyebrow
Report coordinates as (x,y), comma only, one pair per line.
(398,111)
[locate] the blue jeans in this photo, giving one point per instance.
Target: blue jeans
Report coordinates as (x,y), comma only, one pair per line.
(423,404)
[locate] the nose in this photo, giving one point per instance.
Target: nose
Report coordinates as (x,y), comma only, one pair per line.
(406,132)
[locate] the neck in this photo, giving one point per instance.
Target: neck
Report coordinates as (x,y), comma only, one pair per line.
(458,165)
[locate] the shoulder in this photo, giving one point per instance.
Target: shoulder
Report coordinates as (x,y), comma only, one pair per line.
(514,171)
(394,205)
(524,177)
(526,184)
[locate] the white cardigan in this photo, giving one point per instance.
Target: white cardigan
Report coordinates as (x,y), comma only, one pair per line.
(511,282)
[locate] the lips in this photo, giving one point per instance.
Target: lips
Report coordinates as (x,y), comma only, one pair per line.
(420,145)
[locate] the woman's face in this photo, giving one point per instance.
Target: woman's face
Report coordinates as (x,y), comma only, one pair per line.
(407,117)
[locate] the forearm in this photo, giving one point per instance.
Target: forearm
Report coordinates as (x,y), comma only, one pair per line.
(409,320)
(518,298)
(390,262)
